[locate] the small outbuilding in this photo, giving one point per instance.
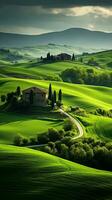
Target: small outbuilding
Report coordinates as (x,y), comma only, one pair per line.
(35,96)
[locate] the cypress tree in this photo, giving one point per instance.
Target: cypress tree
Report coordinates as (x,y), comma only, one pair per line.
(50,92)
(54,96)
(48,56)
(52,102)
(60,95)
(18,91)
(73,57)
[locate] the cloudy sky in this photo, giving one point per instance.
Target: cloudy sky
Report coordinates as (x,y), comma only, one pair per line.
(40,16)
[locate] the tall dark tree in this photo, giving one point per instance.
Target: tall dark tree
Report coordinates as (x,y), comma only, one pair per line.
(52,102)
(48,56)
(50,92)
(55,96)
(60,95)
(73,57)
(31,97)
(18,91)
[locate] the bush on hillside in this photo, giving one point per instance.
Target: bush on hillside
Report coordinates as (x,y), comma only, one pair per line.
(18,140)
(68,125)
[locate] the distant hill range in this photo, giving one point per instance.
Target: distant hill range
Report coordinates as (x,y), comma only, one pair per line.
(75,37)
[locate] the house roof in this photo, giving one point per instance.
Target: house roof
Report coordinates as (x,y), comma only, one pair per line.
(64,54)
(35,90)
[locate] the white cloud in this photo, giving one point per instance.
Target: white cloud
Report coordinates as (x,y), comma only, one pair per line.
(84,10)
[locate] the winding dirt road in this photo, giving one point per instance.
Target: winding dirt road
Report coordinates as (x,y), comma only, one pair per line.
(77,124)
(75,121)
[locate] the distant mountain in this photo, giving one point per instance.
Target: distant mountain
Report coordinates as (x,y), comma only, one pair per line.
(76,37)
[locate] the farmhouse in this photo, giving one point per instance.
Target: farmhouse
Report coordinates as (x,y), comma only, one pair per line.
(35,96)
(63,56)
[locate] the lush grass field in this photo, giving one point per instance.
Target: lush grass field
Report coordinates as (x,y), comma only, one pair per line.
(38,70)
(103,58)
(98,127)
(29,174)
(12,124)
(88,97)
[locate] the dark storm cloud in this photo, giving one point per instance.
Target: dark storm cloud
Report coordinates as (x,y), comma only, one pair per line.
(57,3)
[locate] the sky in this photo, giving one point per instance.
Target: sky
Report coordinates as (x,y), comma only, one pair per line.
(35,17)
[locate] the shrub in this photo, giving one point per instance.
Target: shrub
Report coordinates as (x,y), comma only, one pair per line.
(53,135)
(33,141)
(68,125)
(3,98)
(18,140)
(43,139)
(67,140)
(47,149)
(25,141)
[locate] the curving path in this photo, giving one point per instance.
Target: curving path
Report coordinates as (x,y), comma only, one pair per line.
(75,121)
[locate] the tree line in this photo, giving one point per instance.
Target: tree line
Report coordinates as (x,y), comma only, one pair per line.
(86,151)
(87,76)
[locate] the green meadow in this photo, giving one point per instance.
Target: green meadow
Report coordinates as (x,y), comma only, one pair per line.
(28,174)
(98,127)
(12,124)
(87,97)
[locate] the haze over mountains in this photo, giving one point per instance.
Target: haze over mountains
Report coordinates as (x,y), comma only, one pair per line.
(75,37)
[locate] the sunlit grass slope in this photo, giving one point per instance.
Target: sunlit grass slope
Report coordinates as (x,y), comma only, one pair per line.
(31,125)
(29,174)
(88,97)
(38,70)
(98,127)
(104,58)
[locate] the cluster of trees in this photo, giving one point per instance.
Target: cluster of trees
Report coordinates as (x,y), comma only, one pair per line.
(12,98)
(53,99)
(85,151)
(78,111)
(53,58)
(52,135)
(92,62)
(102,112)
(87,76)
(13,101)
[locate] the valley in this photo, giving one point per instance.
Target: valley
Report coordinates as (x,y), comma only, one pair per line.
(45,174)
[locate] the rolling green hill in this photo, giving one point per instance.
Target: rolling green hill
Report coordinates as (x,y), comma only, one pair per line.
(13,124)
(30,174)
(98,127)
(103,58)
(36,70)
(87,97)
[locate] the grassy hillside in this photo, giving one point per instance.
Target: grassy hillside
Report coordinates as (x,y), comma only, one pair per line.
(103,58)
(88,97)
(12,124)
(36,70)
(49,177)
(98,127)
